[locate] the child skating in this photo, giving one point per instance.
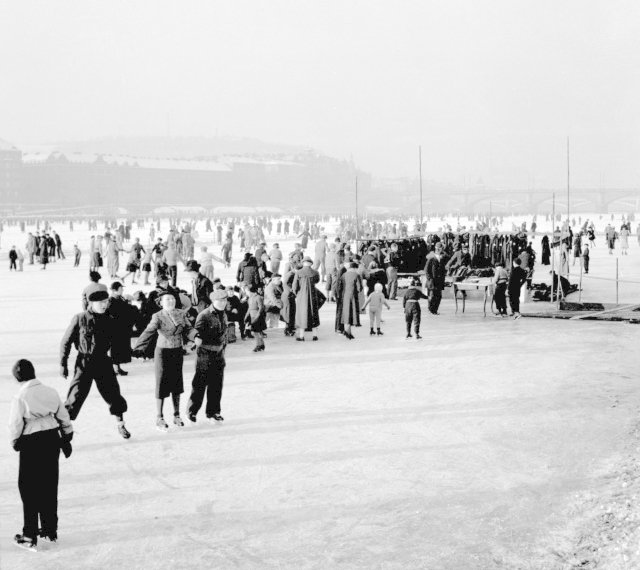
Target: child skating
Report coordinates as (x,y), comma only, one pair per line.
(376,301)
(412,311)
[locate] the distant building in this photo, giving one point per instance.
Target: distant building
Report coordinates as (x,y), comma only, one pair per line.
(10,173)
(74,179)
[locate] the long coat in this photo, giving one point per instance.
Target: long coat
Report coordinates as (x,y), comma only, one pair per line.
(351,287)
(288,311)
(546,251)
(304,288)
(255,313)
(124,316)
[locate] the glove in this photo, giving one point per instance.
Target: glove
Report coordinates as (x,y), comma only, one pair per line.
(16,444)
(66,448)
(64,371)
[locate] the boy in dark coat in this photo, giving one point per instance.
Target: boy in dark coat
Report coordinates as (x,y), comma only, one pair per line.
(516,280)
(435,273)
(92,333)
(411,305)
(124,316)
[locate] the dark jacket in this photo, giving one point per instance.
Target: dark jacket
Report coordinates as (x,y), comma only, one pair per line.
(204,288)
(124,316)
(211,326)
(90,333)
(435,273)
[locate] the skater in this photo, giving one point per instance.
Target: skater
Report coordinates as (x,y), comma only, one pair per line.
(412,310)
(376,301)
(13,257)
(173,330)
(517,278)
(92,333)
(499,296)
(77,254)
(585,258)
(435,273)
(255,317)
(211,326)
(39,426)
(124,316)
(94,286)
(307,299)
(145,266)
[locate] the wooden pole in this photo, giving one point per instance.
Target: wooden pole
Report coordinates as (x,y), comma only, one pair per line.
(580,286)
(617,280)
(568,183)
(420,171)
(553,248)
(568,199)
(357,224)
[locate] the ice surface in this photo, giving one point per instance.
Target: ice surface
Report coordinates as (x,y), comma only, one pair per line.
(459,451)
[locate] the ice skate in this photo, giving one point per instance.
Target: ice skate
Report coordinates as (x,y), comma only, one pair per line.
(161,425)
(24,542)
(177,420)
(123,431)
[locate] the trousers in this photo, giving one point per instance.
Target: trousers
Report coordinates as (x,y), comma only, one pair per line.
(392,278)
(38,482)
(435,296)
(209,377)
(375,315)
(87,370)
(412,315)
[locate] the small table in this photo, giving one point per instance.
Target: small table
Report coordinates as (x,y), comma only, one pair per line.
(485,283)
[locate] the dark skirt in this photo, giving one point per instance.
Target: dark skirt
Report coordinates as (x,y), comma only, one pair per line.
(132,267)
(146,267)
(168,362)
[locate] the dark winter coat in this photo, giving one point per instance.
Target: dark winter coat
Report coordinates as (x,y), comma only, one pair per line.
(435,273)
(351,287)
(304,288)
(90,333)
(124,316)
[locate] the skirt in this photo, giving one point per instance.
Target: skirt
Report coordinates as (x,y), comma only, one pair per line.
(146,267)
(132,267)
(168,363)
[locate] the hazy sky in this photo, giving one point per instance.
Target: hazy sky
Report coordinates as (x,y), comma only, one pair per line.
(490,89)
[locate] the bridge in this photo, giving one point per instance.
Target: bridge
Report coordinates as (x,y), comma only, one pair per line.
(536,200)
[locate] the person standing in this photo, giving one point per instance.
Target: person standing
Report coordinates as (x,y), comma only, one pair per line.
(171,257)
(624,240)
(92,333)
(124,316)
(321,249)
(256,316)
(376,300)
(585,258)
(94,286)
(211,326)
(173,330)
(77,254)
(307,305)
(349,290)
(39,426)
(275,256)
(435,272)
(13,257)
(201,286)
(411,306)
(517,278)
(500,281)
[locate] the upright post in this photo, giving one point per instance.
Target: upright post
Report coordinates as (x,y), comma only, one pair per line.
(357,223)
(553,247)
(568,200)
(420,171)
(616,280)
(580,286)
(568,184)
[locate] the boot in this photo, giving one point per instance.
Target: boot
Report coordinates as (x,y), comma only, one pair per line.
(379,333)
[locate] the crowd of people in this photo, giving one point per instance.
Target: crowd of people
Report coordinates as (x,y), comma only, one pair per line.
(163,325)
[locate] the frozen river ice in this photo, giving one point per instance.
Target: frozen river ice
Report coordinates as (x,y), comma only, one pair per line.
(464,450)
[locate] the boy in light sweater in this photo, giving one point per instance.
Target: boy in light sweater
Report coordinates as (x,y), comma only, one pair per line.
(375,301)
